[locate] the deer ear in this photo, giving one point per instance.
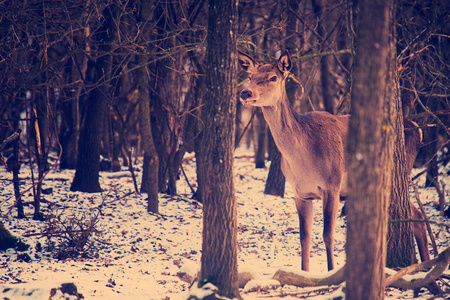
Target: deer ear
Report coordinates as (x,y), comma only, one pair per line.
(247,63)
(284,62)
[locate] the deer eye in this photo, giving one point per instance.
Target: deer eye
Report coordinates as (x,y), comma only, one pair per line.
(274,78)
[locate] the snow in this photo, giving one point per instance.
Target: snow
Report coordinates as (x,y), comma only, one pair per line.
(35,290)
(144,253)
(265,283)
(201,293)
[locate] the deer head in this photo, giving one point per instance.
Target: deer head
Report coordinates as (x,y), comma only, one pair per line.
(267,82)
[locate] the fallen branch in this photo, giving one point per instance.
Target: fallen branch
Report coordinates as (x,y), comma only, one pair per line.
(304,280)
(439,265)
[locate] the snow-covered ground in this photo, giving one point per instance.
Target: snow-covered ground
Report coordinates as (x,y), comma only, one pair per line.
(143,253)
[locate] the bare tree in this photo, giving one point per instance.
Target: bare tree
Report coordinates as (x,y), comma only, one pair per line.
(151,160)
(400,243)
(423,71)
(219,249)
(88,161)
(370,149)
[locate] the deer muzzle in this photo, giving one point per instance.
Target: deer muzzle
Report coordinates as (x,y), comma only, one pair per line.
(245,94)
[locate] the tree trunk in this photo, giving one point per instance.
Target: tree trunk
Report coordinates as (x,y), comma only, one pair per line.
(7,240)
(165,94)
(71,110)
(16,181)
(370,150)
(150,172)
(219,256)
(325,76)
(13,164)
(69,135)
(88,160)
(260,129)
(149,183)
(41,131)
(400,242)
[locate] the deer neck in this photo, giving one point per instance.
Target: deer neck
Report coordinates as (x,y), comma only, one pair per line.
(284,125)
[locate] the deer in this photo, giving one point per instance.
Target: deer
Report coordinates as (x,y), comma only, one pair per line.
(312,147)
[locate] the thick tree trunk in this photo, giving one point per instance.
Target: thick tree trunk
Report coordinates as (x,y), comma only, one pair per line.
(219,256)
(370,150)
(69,137)
(400,242)
(72,115)
(88,160)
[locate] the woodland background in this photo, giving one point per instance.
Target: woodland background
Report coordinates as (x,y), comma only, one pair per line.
(73,75)
(99,83)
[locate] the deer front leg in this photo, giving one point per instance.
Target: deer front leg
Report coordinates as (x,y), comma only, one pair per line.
(330,208)
(305,216)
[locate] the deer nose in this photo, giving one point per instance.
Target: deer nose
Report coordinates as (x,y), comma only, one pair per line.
(246,94)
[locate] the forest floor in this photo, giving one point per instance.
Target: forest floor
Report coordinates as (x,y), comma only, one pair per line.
(137,255)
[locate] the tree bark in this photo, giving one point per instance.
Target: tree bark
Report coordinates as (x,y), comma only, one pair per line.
(400,240)
(260,129)
(165,94)
(325,61)
(41,127)
(219,256)
(370,150)
(149,182)
(13,165)
(69,135)
(150,172)
(88,160)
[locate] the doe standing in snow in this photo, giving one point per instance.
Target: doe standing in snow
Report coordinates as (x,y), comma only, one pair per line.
(312,150)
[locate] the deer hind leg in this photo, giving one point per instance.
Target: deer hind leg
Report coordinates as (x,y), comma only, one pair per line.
(330,208)
(305,216)
(420,234)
